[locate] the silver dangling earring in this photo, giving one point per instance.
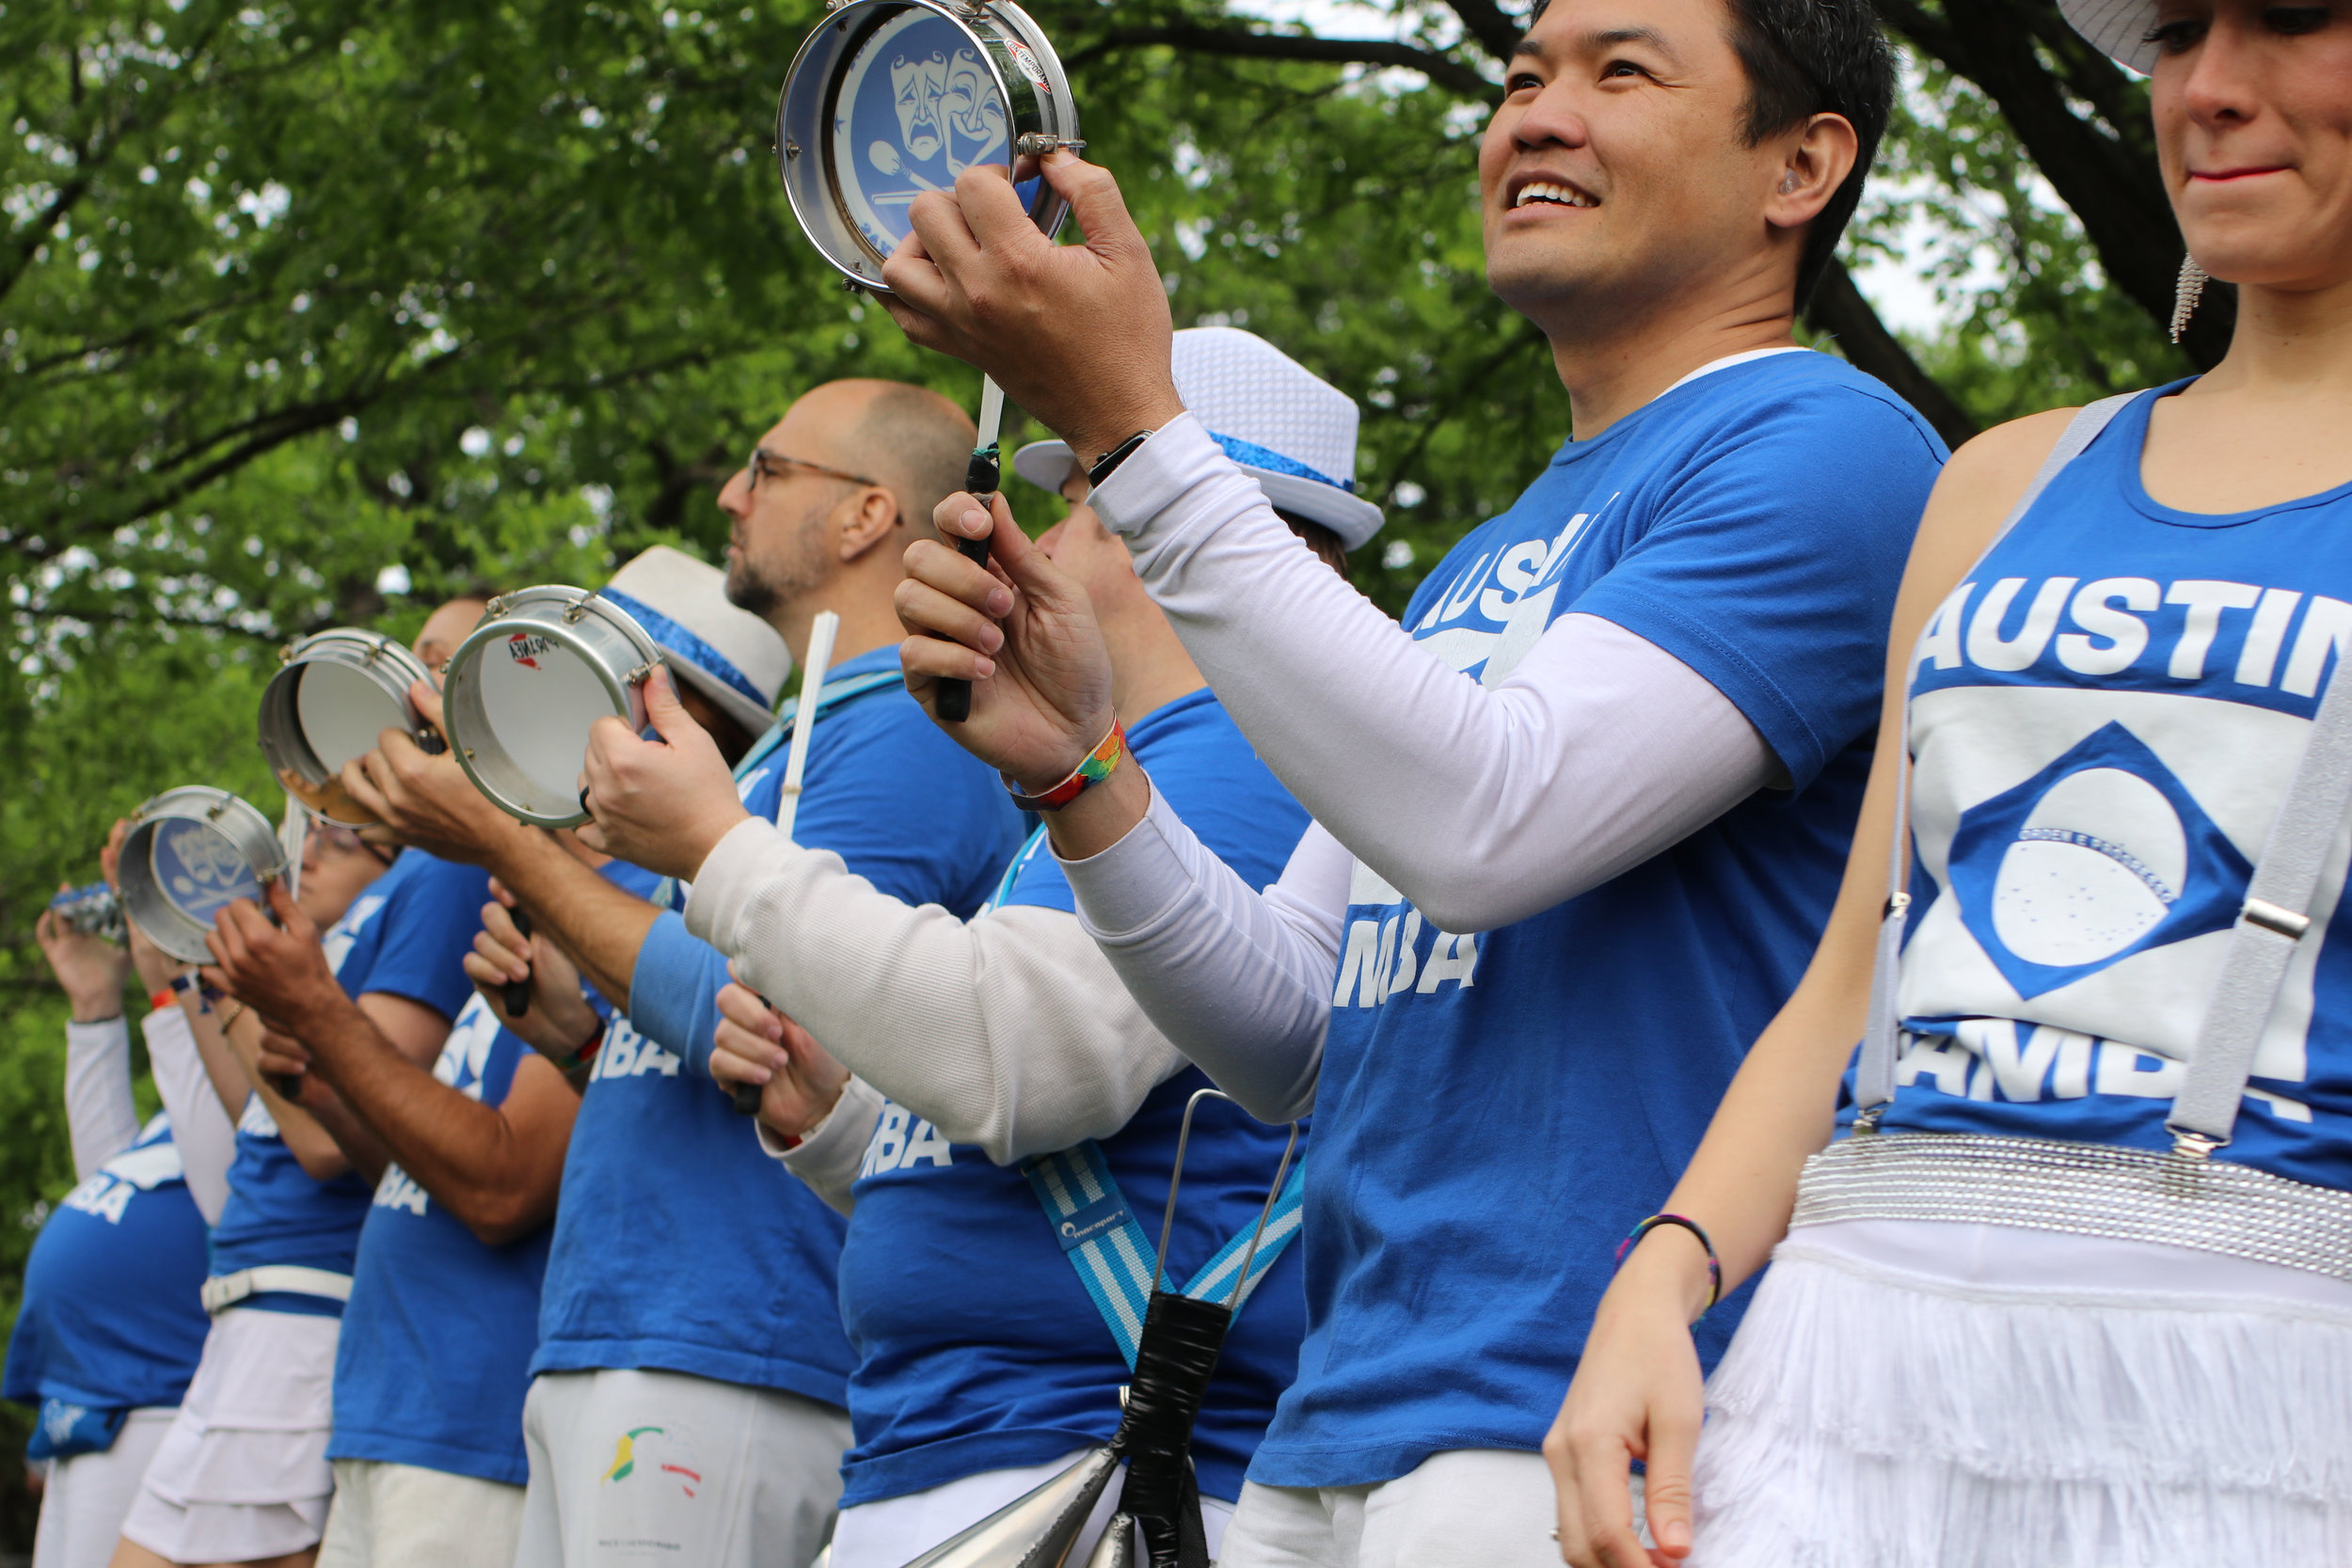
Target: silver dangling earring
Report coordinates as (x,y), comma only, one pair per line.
(2186,294)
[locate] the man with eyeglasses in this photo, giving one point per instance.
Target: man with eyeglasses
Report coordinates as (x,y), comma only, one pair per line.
(692,1369)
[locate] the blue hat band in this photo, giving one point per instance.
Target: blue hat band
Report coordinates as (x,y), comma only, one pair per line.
(675,638)
(1250,455)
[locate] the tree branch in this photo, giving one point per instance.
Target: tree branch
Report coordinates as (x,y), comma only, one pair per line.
(2114,191)
(1840,310)
(1445,72)
(1496,30)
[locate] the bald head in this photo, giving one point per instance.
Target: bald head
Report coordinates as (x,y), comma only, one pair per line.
(909,439)
(842,486)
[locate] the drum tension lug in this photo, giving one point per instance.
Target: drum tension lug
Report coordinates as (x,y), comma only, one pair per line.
(791,148)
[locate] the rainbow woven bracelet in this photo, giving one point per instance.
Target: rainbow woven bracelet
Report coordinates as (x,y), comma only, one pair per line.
(1093,769)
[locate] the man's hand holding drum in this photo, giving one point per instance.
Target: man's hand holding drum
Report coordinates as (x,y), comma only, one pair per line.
(426,799)
(662,804)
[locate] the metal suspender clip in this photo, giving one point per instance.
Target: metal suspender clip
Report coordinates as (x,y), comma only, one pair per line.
(2274,919)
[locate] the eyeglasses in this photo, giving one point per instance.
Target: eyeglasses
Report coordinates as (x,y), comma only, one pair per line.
(768,464)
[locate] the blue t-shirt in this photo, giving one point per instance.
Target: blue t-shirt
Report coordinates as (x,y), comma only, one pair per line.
(977,1347)
(1497,1109)
(2105,716)
(406,935)
(435,1357)
(111,1317)
(681,1245)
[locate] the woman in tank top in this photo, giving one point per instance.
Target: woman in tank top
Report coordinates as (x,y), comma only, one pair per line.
(2067,1280)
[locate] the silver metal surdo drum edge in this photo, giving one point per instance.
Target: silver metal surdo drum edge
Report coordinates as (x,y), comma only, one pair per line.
(189,851)
(336,692)
(522,692)
(892,98)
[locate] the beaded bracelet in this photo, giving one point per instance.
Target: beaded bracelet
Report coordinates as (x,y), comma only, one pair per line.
(1714,1267)
(1092,770)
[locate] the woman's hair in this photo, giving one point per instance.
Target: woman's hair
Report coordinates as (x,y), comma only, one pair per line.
(1321,540)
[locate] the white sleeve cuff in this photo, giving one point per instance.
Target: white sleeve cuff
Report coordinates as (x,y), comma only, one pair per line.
(829,1155)
(1152,477)
(1132,885)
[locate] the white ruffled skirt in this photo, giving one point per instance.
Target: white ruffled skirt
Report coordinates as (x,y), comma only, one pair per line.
(1908,1394)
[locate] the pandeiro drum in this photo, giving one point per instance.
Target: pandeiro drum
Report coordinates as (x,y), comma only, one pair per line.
(338,691)
(521,693)
(189,853)
(892,98)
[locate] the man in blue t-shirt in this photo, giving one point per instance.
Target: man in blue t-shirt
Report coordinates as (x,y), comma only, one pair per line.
(691,1365)
(444,1313)
(242,1475)
(1005,1148)
(1580,820)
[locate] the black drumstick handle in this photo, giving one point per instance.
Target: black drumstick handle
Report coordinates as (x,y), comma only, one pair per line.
(980,479)
(519,992)
(747,1095)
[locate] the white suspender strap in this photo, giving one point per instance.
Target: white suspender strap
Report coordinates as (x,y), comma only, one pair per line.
(2271,922)
(1874,1075)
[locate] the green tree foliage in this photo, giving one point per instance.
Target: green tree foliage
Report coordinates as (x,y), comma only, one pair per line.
(295,291)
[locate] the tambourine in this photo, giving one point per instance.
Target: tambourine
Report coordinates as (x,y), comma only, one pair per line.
(892,98)
(337,691)
(189,853)
(520,693)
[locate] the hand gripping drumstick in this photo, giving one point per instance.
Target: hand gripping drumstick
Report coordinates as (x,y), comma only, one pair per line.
(821,634)
(519,992)
(980,479)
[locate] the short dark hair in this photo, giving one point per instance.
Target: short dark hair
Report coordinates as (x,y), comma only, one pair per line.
(917,443)
(1806,57)
(1323,541)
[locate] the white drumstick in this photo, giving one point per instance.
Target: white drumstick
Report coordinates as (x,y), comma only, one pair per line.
(291,836)
(820,636)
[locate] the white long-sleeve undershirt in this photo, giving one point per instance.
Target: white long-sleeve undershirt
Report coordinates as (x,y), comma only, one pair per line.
(103,1121)
(1583,750)
(99,1114)
(206,1138)
(1009,1031)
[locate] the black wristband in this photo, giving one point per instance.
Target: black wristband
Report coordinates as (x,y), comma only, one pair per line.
(1103,466)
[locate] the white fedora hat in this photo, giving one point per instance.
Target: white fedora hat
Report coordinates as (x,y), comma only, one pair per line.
(730,655)
(1285,426)
(2117,29)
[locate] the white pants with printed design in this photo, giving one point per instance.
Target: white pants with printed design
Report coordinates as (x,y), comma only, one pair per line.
(631,1468)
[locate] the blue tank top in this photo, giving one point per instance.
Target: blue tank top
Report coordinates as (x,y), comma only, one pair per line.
(978,1348)
(435,1357)
(110,1317)
(2104,718)
(406,935)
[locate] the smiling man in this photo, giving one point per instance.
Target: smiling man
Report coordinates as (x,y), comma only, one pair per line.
(1578,822)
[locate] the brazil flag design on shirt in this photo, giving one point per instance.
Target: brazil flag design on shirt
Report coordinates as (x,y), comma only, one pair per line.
(2105,717)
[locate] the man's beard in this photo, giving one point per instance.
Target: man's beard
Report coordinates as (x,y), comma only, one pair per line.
(747,589)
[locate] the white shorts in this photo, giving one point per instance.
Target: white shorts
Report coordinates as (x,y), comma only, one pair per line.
(631,1468)
(1467,1508)
(243,1472)
(389,1515)
(82,1507)
(897,1530)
